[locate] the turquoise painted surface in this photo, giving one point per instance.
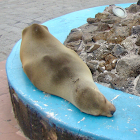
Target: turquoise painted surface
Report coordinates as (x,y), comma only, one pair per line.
(125,124)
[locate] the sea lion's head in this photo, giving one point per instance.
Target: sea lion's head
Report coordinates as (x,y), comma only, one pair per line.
(92,101)
(35,31)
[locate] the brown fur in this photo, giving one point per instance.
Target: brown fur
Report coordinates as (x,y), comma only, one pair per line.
(57,70)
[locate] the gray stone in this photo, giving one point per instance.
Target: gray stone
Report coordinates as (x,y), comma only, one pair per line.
(138,41)
(118,50)
(102,16)
(123,84)
(129,43)
(111,46)
(87,37)
(92,20)
(108,21)
(75,35)
(117,34)
(83,56)
(90,57)
(109,9)
(106,77)
(134,8)
(139,52)
(74,45)
(110,62)
(128,67)
(88,45)
(101,69)
(93,65)
(103,27)
(88,28)
(135,30)
(138,85)
(110,41)
(93,48)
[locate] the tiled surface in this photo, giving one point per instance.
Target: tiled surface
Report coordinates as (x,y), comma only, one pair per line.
(9,129)
(15,15)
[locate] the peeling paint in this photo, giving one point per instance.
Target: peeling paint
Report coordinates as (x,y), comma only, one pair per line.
(129,119)
(35,101)
(69,109)
(115,97)
(82,120)
(134,130)
(45,105)
(108,126)
(50,114)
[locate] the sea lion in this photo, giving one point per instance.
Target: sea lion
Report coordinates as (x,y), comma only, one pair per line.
(58,70)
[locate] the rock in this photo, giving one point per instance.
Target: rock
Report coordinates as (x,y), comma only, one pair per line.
(109,44)
(83,56)
(109,58)
(90,57)
(106,77)
(75,35)
(110,62)
(74,45)
(119,50)
(99,36)
(108,21)
(101,69)
(138,41)
(117,34)
(139,52)
(123,84)
(113,63)
(102,64)
(93,48)
(100,53)
(138,85)
(135,30)
(93,65)
(103,27)
(102,16)
(89,28)
(88,45)
(109,9)
(129,43)
(92,20)
(128,67)
(127,22)
(87,37)
(134,8)
(136,20)
(108,67)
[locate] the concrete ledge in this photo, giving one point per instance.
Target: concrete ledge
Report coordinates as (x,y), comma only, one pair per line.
(44,116)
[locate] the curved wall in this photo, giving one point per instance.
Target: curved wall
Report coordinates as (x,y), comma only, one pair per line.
(44,116)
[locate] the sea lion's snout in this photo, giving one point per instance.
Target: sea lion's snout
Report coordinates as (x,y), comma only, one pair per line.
(112,112)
